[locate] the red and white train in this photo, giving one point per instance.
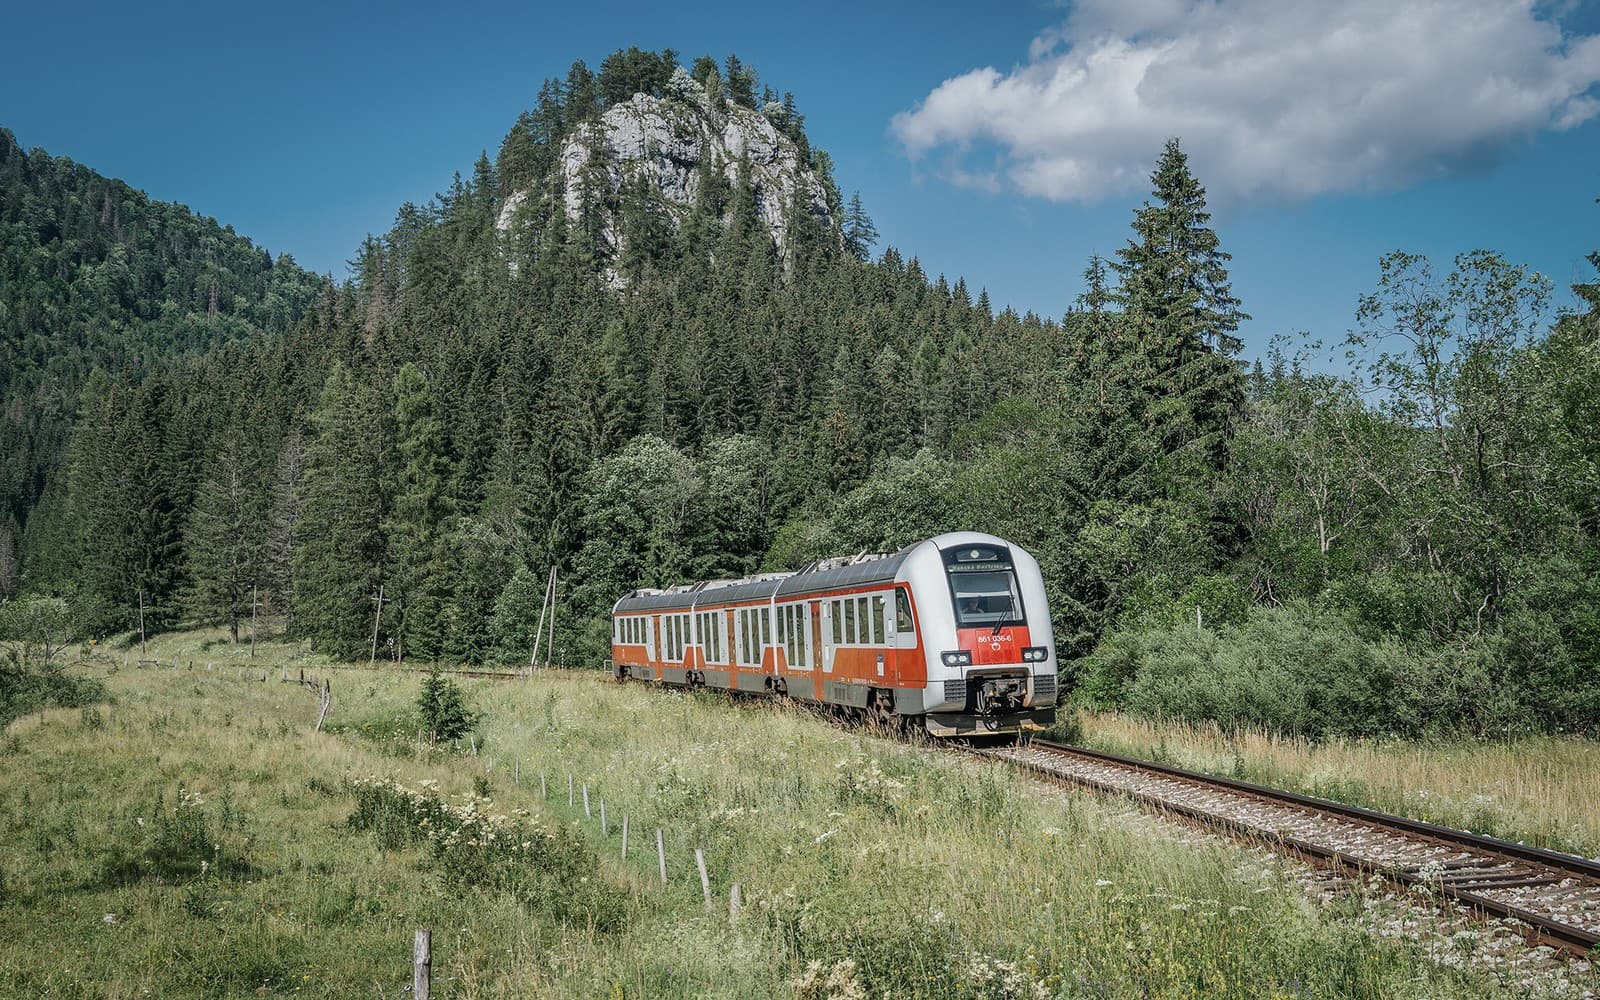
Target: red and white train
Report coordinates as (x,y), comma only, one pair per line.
(951,634)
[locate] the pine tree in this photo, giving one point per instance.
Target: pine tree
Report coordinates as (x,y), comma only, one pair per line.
(1176,295)
(338,563)
(418,563)
(225,539)
(859,233)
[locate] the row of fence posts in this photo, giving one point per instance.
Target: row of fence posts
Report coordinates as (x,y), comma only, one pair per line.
(422,947)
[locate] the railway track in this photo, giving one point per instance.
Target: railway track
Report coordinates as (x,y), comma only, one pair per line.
(1555,896)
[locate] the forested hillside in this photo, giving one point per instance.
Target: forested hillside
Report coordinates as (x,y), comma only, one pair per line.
(93,274)
(643,388)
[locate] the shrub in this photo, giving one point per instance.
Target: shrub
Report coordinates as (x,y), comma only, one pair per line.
(443,709)
(547,869)
(25,689)
(1289,669)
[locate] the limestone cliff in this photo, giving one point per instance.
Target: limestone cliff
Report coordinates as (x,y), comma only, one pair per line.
(666,140)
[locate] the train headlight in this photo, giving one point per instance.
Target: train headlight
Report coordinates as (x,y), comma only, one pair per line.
(956,658)
(1035,654)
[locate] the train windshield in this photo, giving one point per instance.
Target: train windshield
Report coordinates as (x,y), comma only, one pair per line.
(983,585)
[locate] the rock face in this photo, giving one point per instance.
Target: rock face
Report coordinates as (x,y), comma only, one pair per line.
(666,141)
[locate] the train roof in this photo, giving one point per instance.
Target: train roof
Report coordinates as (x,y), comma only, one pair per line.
(830,574)
(861,573)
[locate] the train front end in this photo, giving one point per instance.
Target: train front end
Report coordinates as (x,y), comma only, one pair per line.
(986,636)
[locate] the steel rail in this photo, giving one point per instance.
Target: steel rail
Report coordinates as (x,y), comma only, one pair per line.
(1546,929)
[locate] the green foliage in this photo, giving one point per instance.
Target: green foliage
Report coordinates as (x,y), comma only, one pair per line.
(94,274)
(25,689)
(550,871)
(643,393)
(443,709)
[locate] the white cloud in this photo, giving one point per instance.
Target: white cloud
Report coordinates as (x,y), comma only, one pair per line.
(1274,98)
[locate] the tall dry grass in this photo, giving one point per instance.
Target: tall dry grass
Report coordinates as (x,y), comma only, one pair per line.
(1540,790)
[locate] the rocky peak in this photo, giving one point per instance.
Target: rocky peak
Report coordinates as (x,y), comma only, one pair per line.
(666,140)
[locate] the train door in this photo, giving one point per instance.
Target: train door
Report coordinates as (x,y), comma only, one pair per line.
(814,625)
(829,644)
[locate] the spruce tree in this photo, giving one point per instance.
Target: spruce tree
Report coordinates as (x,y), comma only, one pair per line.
(859,232)
(1176,295)
(225,539)
(418,563)
(338,562)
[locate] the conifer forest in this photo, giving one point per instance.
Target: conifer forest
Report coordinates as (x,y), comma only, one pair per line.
(558,363)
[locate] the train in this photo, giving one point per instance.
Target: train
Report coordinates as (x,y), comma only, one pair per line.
(950,635)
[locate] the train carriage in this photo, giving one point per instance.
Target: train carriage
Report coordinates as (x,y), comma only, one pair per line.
(951,634)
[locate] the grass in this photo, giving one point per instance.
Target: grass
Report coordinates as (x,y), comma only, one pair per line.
(195,838)
(1538,790)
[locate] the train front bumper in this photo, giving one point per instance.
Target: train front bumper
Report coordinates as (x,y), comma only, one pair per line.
(972,724)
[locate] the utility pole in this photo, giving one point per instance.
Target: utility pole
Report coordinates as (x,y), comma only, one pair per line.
(376,618)
(550,645)
(544,606)
(141,624)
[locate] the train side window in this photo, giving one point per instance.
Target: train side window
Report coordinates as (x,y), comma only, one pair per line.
(766,627)
(877,620)
(850,621)
(838,622)
(800,618)
(863,617)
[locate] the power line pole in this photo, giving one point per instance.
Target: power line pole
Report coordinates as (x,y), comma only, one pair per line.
(544,606)
(376,618)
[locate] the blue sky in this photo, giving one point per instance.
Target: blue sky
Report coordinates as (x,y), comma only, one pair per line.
(305,126)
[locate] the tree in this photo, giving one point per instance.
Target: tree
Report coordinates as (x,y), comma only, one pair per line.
(338,564)
(418,563)
(859,233)
(1177,298)
(225,539)
(443,709)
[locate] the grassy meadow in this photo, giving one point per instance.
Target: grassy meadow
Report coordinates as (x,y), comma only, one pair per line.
(1538,790)
(193,837)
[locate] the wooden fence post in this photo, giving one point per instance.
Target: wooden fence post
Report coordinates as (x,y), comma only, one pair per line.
(586,813)
(604,832)
(544,790)
(569,789)
(734,904)
(661,855)
(624,836)
(705,883)
(516,773)
(422,965)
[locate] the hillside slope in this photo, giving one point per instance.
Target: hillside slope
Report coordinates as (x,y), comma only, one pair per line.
(94,273)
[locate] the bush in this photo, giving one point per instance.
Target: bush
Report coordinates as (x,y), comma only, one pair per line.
(443,709)
(547,869)
(25,689)
(1290,669)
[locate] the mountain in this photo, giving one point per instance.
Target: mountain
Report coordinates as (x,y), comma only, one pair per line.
(675,150)
(95,274)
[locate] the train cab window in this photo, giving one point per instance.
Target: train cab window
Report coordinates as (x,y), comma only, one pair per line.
(983,586)
(902,612)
